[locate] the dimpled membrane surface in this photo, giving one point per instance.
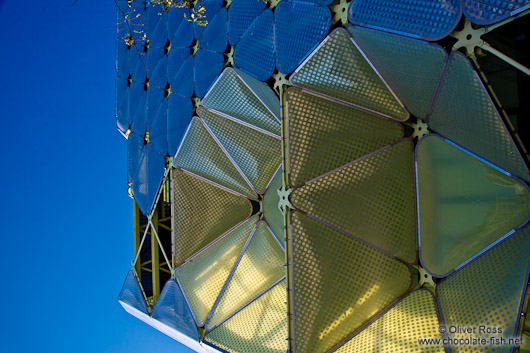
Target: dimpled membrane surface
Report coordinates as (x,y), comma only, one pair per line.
(485,12)
(241,14)
(464,113)
(256,153)
(410,67)
(425,19)
(399,329)
(255,52)
(372,199)
(204,275)
(202,213)
(261,266)
(324,135)
(299,27)
(233,96)
(338,69)
(334,293)
(201,155)
(488,292)
(259,327)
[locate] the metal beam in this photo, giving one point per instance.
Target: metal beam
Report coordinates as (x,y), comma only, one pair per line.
(155,263)
(137,236)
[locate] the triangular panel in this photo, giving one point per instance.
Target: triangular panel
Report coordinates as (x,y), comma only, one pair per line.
(465,205)
(259,327)
(488,293)
(232,96)
(132,299)
(338,284)
(464,113)
(201,155)
(337,68)
(400,328)
(324,135)
(201,213)
(411,67)
(261,266)
(203,276)
(172,315)
(372,199)
(256,153)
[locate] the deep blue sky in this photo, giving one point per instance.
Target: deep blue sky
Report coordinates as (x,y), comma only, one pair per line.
(66,218)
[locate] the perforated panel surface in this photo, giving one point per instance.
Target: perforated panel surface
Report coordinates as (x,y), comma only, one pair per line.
(259,327)
(257,154)
(203,277)
(411,67)
(338,69)
(324,135)
(335,292)
(486,12)
(201,155)
(299,27)
(488,292)
(202,212)
(262,265)
(399,329)
(372,199)
(426,19)
(464,113)
(232,96)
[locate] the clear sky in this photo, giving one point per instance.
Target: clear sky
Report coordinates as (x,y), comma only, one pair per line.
(66,218)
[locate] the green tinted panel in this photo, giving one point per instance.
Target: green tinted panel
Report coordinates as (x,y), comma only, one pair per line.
(338,284)
(338,69)
(202,213)
(201,155)
(262,264)
(465,205)
(399,329)
(257,154)
(411,67)
(324,135)
(465,113)
(272,214)
(259,327)
(488,292)
(232,96)
(372,199)
(203,276)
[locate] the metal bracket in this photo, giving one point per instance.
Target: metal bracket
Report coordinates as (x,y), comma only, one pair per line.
(280,80)
(420,129)
(426,279)
(284,203)
(340,12)
(229,58)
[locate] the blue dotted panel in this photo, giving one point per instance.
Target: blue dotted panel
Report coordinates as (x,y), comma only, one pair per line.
(255,52)
(138,65)
(182,79)
(157,118)
(488,291)
(122,104)
(485,12)
(179,112)
(156,26)
(317,2)
(137,108)
(208,66)
(131,294)
(157,67)
(121,25)
(135,147)
(426,19)
(241,14)
(122,58)
(180,31)
(215,36)
(299,29)
(212,7)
